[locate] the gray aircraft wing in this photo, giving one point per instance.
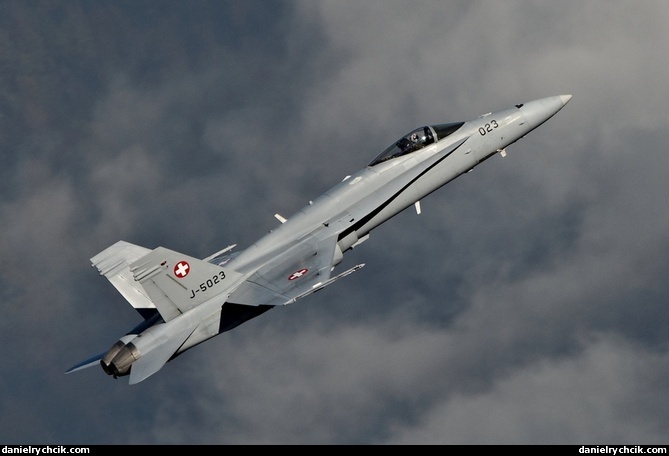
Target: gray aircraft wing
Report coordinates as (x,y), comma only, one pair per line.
(299,271)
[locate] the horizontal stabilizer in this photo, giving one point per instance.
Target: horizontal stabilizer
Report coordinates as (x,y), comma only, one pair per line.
(155,359)
(92,361)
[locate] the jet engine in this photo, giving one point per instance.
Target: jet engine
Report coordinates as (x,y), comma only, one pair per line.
(120,357)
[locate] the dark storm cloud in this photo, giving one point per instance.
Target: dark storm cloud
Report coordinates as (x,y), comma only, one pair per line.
(527,304)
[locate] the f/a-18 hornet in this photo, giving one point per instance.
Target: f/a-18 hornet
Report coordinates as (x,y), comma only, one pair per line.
(185,301)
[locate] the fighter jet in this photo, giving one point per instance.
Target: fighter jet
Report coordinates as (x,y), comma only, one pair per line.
(184,301)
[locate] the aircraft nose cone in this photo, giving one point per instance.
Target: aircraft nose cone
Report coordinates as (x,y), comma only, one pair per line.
(539,111)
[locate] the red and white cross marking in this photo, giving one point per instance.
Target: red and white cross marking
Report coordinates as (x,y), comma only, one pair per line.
(181,269)
(297,274)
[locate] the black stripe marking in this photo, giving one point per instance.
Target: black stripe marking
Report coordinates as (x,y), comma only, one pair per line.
(361,222)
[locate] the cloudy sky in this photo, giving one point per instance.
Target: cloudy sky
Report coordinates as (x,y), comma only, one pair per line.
(528,304)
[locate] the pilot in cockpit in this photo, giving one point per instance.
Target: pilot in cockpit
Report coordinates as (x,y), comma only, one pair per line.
(411,143)
(420,139)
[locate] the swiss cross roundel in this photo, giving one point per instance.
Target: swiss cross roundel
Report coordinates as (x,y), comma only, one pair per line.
(297,274)
(181,269)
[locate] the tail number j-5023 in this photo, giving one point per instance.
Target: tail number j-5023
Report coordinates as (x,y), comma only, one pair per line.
(487,128)
(209,283)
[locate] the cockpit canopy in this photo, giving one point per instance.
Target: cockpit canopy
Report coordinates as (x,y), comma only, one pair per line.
(416,140)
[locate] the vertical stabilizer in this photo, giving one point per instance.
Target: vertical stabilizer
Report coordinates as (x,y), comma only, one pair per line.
(113,263)
(177,283)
